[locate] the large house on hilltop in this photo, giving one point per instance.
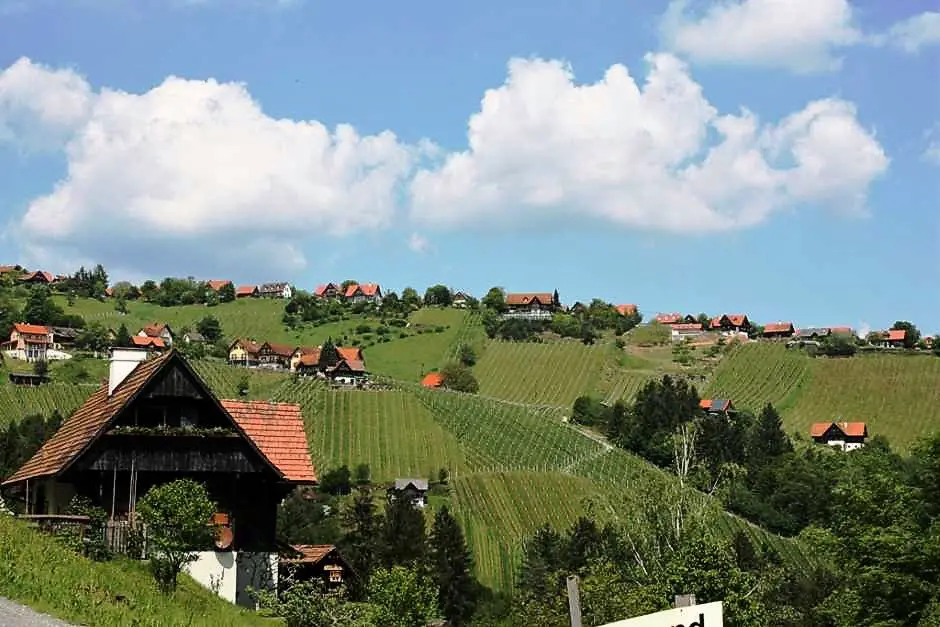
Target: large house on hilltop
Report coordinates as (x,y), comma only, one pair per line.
(363,293)
(155,421)
(38,277)
(532,305)
(847,436)
(778,330)
(158,330)
(731,323)
(30,342)
(244,352)
(247,291)
(329,290)
(276,290)
(217,285)
(674,318)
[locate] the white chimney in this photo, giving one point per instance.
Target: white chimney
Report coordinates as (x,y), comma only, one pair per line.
(123,362)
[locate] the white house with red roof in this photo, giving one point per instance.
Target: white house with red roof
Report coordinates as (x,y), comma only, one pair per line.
(30,342)
(363,293)
(846,436)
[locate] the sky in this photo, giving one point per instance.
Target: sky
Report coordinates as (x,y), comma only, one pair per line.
(779,158)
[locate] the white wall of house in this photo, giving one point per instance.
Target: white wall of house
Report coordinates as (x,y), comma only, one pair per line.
(230,574)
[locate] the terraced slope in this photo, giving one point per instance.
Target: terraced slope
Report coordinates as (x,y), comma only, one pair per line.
(760,372)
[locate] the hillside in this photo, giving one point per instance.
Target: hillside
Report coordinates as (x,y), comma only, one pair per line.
(37,570)
(898,396)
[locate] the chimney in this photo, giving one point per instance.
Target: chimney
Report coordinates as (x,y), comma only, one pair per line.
(123,362)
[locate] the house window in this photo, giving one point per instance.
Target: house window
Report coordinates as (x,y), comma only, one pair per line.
(336,576)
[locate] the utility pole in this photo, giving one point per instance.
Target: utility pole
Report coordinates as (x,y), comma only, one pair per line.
(574,601)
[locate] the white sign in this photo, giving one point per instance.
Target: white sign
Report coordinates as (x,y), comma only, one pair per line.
(706,615)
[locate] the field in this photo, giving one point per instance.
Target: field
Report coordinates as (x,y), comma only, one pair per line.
(757,373)
(37,570)
(410,358)
(539,374)
(17,402)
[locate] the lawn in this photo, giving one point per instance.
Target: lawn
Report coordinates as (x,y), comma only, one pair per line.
(553,373)
(39,572)
(410,358)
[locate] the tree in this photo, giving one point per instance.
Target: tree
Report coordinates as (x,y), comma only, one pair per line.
(120,305)
(410,298)
(451,565)
(362,474)
(459,378)
(41,367)
(123,336)
(125,290)
(177,515)
(438,295)
(912,337)
(40,309)
(495,299)
(402,597)
(361,528)
(403,534)
(227,293)
(210,328)
(768,439)
(466,355)
(337,481)
(93,338)
(309,604)
(329,356)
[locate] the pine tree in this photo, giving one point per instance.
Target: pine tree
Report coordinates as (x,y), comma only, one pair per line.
(403,534)
(329,356)
(768,440)
(451,564)
(359,544)
(123,336)
(541,562)
(583,541)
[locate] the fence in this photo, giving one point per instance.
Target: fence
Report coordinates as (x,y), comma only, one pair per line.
(127,538)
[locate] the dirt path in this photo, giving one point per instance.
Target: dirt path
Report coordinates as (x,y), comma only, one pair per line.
(16,615)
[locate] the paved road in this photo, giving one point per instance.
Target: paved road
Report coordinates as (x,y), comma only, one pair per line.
(16,615)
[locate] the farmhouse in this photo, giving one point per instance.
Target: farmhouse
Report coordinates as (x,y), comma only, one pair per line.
(63,337)
(155,344)
(415,490)
(275,355)
(847,436)
(683,330)
(38,277)
(158,329)
(244,352)
(193,337)
(532,305)
(626,310)
(329,290)
(674,318)
(351,364)
(247,291)
(217,285)
(276,290)
(432,380)
(321,563)
(893,338)
(365,293)
(731,323)
(156,421)
(717,406)
(776,330)
(461,300)
(812,333)
(31,342)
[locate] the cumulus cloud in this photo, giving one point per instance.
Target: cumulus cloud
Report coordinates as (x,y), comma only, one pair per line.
(543,149)
(798,35)
(418,243)
(194,162)
(913,33)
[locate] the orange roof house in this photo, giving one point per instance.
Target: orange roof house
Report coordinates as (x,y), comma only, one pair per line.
(626,310)
(526,299)
(897,335)
(778,329)
(328,290)
(24,328)
(731,322)
(363,291)
(317,562)
(674,318)
(37,276)
(845,435)
(716,405)
(244,291)
(432,380)
(148,342)
(216,285)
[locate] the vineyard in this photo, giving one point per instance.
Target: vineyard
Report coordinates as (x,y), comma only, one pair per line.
(498,511)
(539,374)
(757,373)
(389,430)
(17,402)
(897,396)
(224,379)
(623,385)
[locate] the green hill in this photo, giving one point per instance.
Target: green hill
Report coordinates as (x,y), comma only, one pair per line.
(897,395)
(37,570)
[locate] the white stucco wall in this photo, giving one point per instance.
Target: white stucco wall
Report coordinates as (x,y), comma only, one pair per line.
(232,573)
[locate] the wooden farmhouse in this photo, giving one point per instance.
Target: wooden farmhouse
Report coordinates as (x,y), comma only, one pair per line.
(247,291)
(731,323)
(321,563)
(244,352)
(415,490)
(847,436)
(532,305)
(778,330)
(156,421)
(159,330)
(717,406)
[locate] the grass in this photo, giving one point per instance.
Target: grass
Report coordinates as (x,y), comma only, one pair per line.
(18,402)
(540,374)
(224,379)
(38,571)
(390,430)
(410,358)
(760,372)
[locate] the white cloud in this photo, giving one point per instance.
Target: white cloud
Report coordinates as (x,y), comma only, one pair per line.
(196,167)
(418,243)
(913,33)
(543,149)
(797,35)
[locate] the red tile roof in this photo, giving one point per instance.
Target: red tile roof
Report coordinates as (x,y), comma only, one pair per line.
(897,335)
(432,380)
(544,298)
(250,346)
(841,330)
(281,350)
(46,276)
(854,429)
(668,318)
(309,553)
(154,329)
(216,285)
(278,430)
(626,310)
(778,327)
(687,326)
(30,329)
(246,290)
(156,342)
(310,355)
(5,269)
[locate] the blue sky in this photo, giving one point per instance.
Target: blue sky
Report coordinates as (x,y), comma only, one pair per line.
(686,156)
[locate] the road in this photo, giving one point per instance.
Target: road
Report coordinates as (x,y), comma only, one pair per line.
(16,615)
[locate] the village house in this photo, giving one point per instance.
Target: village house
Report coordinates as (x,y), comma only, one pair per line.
(364,293)
(531,305)
(893,338)
(731,323)
(683,330)
(778,330)
(247,291)
(217,285)
(29,342)
(674,318)
(155,421)
(717,406)
(321,563)
(275,355)
(329,290)
(626,310)
(160,330)
(244,352)
(12,271)
(154,344)
(847,436)
(461,300)
(813,334)
(38,277)
(348,370)
(276,290)
(415,490)
(193,337)
(433,380)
